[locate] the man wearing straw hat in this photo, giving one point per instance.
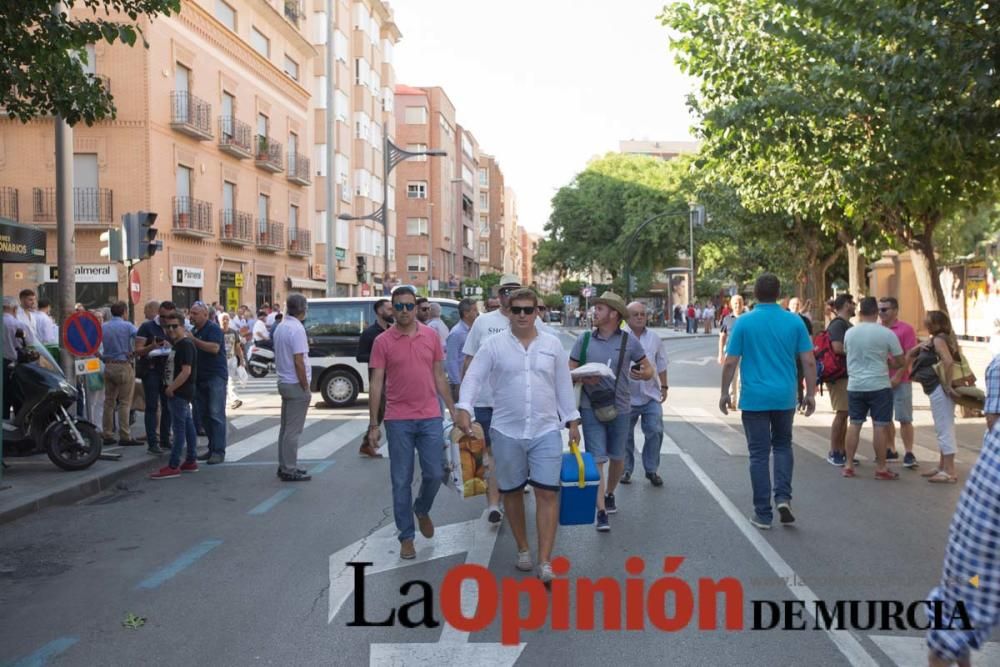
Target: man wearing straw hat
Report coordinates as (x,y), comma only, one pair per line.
(605,404)
(528,373)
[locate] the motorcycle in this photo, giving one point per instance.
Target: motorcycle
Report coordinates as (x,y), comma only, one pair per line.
(260,359)
(43,421)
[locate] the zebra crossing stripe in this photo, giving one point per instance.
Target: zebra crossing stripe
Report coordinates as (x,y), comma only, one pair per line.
(330,441)
(246,421)
(256,442)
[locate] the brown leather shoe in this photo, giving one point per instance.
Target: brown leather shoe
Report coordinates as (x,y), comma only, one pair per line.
(369,451)
(426,525)
(406,550)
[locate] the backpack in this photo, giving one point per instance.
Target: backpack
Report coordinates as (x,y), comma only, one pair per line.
(830,366)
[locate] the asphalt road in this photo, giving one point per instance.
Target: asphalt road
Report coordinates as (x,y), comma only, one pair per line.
(231,567)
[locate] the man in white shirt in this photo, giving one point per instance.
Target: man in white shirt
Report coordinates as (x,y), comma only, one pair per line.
(709,315)
(27,314)
(291,357)
(48,332)
(533,397)
(435,322)
(272,315)
(260,329)
(483,328)
(647,398)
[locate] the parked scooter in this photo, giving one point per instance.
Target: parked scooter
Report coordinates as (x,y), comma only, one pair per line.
(260,358)
(43,421)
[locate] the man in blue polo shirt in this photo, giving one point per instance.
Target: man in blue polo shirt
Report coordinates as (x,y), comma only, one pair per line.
(764,344)
(213,374)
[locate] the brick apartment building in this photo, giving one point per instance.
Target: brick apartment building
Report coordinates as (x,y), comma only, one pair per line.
(492,223)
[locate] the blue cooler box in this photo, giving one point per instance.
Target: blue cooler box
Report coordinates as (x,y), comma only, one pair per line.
(578,505)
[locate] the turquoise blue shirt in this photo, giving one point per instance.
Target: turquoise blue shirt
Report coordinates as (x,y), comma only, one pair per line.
(768,339)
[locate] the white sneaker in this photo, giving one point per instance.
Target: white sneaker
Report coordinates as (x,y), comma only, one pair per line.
(524,561)
(545,573)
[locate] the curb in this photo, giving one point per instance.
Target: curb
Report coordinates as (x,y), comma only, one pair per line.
(72,493)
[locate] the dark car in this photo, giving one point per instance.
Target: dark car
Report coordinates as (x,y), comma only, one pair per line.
(334,326)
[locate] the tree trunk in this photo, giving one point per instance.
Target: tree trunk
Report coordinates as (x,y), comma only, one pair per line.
(856,271)
(925,269)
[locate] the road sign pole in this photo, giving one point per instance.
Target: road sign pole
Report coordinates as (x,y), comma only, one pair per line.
(128,279)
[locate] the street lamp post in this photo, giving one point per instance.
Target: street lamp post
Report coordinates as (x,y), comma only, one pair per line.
(391,156)
(695,213)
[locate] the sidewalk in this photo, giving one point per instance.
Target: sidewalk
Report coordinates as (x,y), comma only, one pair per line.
(32,483)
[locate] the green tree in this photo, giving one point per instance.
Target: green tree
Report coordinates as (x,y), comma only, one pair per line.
(876,118)
(553,301)
(43,53)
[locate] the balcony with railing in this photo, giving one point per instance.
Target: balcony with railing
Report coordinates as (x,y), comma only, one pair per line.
(90,206)
(235,227)
(268,155)
(298,169)
(270,235)
(8,204)
(192,217)
(299,242)
(190,115)
(235,138)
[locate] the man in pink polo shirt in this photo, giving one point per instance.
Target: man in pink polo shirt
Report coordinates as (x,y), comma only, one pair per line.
(902,388)
(409,355)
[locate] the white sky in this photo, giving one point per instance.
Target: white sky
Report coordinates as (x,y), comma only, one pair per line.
(544,85)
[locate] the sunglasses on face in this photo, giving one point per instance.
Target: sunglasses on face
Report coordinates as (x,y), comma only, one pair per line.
(425,308)
(518,310)
(168,327)
(884,310)
(400,306)
(506,291)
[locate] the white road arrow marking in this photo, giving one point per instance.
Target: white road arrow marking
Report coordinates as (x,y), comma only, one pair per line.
(474,538)
(704,361)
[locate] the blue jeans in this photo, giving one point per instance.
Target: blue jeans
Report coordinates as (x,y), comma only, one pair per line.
(604,440)
(425,437)
(182,424)
(210,394)
(154,393)
(766,431)
(652,428)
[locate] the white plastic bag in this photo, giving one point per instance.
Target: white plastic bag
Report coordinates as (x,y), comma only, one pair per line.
(241,375)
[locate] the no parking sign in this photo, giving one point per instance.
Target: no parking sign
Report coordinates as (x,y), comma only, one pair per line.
(82,334)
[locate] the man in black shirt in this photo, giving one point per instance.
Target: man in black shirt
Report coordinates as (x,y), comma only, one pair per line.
(180,376)
(151,346)
(383,320)
(843,306)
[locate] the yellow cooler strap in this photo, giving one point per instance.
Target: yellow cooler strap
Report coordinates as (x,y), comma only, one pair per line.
(579,462)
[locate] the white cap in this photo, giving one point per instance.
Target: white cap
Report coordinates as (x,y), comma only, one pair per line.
(510,279)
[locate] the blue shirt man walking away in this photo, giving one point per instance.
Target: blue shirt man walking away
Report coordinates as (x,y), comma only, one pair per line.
(764,344)
(119,375)
(213,374)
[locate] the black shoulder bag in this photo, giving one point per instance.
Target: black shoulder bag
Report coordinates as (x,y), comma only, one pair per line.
(603,400)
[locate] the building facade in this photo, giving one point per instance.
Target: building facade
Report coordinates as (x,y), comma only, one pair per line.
(492,222)
(212,132)
(511,239)
(363,35)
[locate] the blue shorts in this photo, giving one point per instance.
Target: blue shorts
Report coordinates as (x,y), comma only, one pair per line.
(605,440)
(536,461)
(878,403)
(902,403)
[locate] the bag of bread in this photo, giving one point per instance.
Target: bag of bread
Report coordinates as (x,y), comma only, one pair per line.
(466,457)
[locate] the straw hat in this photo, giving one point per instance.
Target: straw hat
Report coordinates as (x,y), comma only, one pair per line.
(509,279)
(612,300)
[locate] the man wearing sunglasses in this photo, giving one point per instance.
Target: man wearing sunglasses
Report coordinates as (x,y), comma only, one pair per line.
(383,320)
(179,379)
(902,388)
(213,374)
(482,329)
(406,363)
(528,374)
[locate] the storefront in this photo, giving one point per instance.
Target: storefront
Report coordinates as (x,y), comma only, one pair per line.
(265,291)
(311,289)
(187,283)
(230,290)
(96,284)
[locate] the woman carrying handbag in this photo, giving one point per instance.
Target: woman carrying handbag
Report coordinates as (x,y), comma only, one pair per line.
(933,359)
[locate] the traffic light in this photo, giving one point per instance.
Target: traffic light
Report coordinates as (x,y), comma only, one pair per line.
(362,268)
(140,235)
(113,244)
(148,245)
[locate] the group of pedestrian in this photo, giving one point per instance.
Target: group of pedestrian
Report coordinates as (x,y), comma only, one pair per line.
(695,317)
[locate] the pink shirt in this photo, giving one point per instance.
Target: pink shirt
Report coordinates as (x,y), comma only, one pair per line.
(410,392)
(907,339)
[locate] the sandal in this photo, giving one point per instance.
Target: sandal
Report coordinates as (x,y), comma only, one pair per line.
(847,472)
(931,472)
(886,475)
(942,478)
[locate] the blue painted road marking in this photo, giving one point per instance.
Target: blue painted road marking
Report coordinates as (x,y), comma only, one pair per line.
(50,650)
(268,504)
(320,467)
(184,561)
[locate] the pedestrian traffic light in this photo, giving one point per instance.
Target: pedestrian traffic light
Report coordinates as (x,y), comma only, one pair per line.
(362,268)
(113,244)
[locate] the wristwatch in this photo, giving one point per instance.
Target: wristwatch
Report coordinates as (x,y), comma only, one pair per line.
(664,387)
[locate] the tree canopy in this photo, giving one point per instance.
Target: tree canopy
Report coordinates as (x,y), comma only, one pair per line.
(44,53)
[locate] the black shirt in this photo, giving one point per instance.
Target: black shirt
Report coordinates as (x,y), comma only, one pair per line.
(150,330)
(183,353)
(366,342)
